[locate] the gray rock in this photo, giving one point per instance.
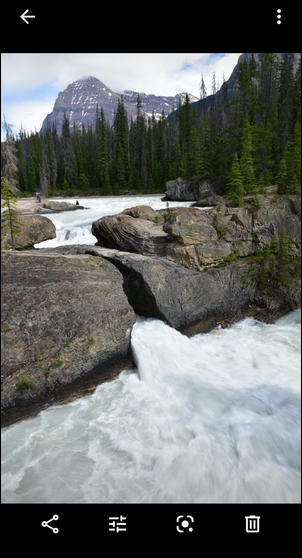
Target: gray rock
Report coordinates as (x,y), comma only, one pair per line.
(130,234)
(209,201)
(57,207)
(144,212)
(65,327)
(33,229)
(192,301)
(188,189)
(193,238)
(183,235)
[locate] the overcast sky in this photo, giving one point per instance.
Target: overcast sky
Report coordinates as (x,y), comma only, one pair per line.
(30,83)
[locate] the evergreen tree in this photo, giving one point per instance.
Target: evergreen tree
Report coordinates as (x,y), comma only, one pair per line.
(192,151)
(68,153)
(297,94)
(263,153)
(139,168)
(277,264)
(204,162)
(292,158)
(9,217)
(235,188)
(49,156)
(75,173)
(268,90)
(176,162)
(282,180)
(44,170)
(102,152)
(247,161)
(203,96)
(120,130)
(31,174)
(9,155)
(245,91)
(159,164)
(184,121)
(286,99)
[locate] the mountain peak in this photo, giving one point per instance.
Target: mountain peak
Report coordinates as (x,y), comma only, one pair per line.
(80,99)
(89,78)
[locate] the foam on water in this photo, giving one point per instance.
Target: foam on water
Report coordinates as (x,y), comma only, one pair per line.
(214,418)
(74,227)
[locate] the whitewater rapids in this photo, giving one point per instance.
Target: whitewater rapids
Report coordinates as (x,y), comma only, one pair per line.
(213,418)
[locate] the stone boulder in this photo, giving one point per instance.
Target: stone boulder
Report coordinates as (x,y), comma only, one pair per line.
(144,212)
(195,238)
(192,301)
(248,231)
(182,235)
(209,201)
(130,234)
(65,327)
(188,189)
(57,207)
(188,300)
(33,229)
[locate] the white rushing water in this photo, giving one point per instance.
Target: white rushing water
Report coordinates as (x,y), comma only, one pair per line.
(213,418)
(74,227)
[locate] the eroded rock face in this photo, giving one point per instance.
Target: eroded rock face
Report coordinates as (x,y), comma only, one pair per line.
(65,324)
(187,189)
(193,301)
(194,241)
(33,229)
(128,233)
(187,300)
(194,238)
(182,235)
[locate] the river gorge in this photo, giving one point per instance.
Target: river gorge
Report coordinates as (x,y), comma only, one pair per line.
(214,417)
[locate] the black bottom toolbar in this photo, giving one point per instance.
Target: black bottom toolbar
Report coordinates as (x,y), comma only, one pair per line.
(124,524)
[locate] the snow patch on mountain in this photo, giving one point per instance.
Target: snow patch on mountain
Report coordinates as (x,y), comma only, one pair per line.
(81,98)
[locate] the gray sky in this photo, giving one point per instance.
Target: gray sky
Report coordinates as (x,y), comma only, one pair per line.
(30,83)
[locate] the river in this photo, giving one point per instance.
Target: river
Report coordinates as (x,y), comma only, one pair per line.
(214,418)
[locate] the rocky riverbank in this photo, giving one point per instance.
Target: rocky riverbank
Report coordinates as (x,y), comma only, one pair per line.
(30,206)
(65,327)
(32,228)
(68,312)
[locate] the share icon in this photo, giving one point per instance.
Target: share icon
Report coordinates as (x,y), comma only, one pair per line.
(45,524)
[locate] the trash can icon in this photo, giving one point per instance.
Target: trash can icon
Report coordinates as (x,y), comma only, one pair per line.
(252,523)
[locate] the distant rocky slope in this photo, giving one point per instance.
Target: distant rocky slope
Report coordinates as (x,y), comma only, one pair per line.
(80,99)
(229,85)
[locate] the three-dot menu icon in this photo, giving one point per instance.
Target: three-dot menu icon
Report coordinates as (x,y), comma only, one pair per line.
(278,16)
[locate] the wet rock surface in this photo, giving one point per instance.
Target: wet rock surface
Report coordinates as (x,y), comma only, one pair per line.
(65,327)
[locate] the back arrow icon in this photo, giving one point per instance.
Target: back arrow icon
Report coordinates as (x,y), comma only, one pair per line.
(24,16)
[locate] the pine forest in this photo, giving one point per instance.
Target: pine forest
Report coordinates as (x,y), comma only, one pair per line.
(243,140)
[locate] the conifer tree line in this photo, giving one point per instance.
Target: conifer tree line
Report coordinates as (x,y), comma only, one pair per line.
(243,141)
